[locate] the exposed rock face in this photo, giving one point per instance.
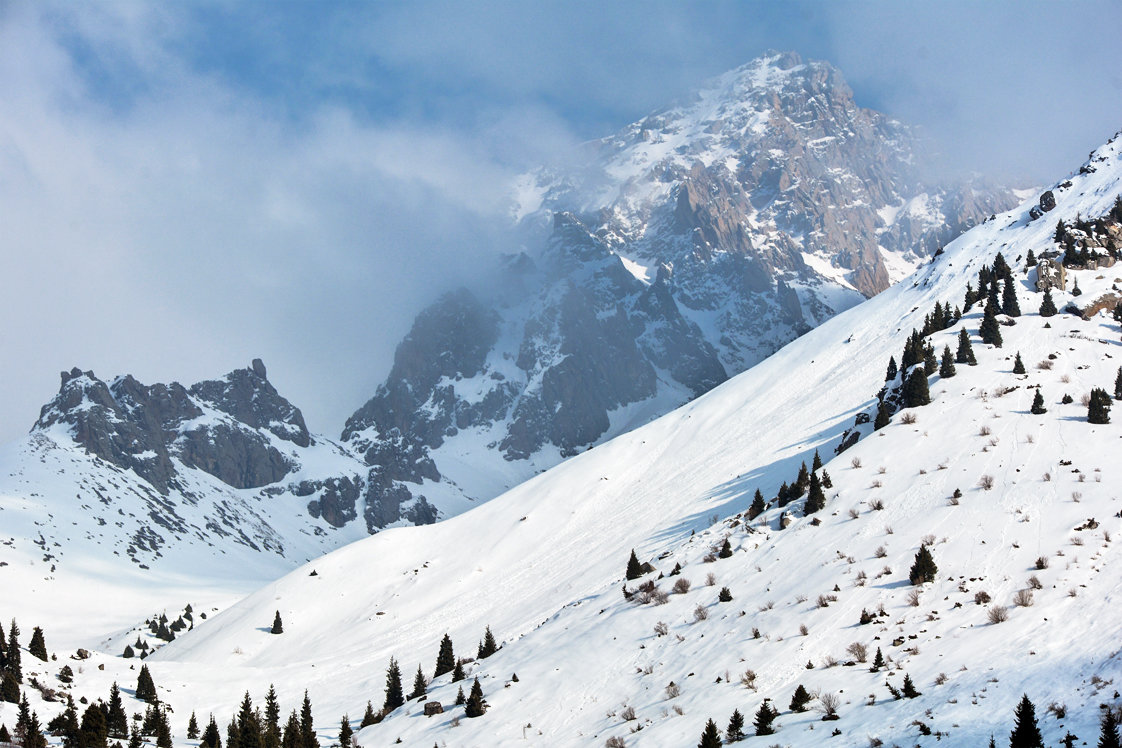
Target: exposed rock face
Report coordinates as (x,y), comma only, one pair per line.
(142,428)
(691,245)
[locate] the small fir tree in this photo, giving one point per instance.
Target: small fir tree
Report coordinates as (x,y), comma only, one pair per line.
(249,728)
(128,653)
(816,463)
(1009,303)
(990,331)
(1030,259)
(458,672)
(923,568)
(1076,290)
(827,482)
(211,737)
(163,732)
(1026,733)
(710,736)
(884,415)
(1098,409)
(969,299)
(634,569)
(735,731)
(345,733)
(890,374)
(758,506)
(1118,385)
(5,736)
(271,734)
(12,655)
(460,698)
(145,688)
(94,731)
(117,720)
(916,390)
(38,647)
(1048,305)
(232,737)
(1108,730)
(1018,364)
(726,550)
(724,595)
(965,352)
(946,366)
(192,727)
(278,626)
(1038,408)
(291,737)
(488,647)
(394,694)
(930,365)
(420,688)
(800,699)
(9,688)
(816,497)
(909,690)
(476,705)
(445,658)
(765,716)
(878,662)
(308,737)
(368,717)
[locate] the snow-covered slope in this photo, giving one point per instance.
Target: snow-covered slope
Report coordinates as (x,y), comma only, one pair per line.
(543,564)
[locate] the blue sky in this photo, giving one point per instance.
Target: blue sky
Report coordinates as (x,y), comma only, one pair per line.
(185,186)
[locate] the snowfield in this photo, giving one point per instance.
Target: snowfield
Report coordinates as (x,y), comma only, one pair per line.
(543,564)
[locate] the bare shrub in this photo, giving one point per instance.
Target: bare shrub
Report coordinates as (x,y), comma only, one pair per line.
(1035,583)
(927,539)
(858,651)
(876,484)
(681,586)
(1041,563)
(628,713)
(1030,439)
(877,504)
(660,597)
(986,482)
(709,558)
(880,552)
(615,742)
(861,578)
(700,613)
(855,462)
(710,579)
(1072,592)
(1057,708)
(661,628)
(1044,365)
(1077,540)
(767,606)
(748,680)
(908,418)
(1023,598)
(800,598)
(882,470)
(913,597)
(825,600)
(981,597)
(828,703)
(853,513)
(997,614)
(1085,399)
(985,431)
(803,629)
(1076,496)
(940,679)
(673,690)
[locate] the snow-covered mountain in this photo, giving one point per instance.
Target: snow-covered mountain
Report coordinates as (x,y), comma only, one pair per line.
(1018,510)
(683,249)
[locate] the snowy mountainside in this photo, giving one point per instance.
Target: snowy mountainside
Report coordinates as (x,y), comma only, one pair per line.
(684,249)
(543,565)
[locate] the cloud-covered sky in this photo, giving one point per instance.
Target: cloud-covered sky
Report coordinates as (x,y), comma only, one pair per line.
(185,186)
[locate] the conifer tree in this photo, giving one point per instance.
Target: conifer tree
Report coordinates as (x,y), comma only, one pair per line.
(783,498)
(826,480)
(726,550)
(192,727)
(1108,730)
(1038,404)
(445,659)
(1076,290)
(37,647)
(711,736)
(1047,305)
(1098,409)
(249,729)
(136,740)
(1009,303)
(735,731)
(271,730)
(800,699)
(232,734)
(816,498)
(345,733)
(1018,364)
(475,706)
(33,735)
(116,719)
(128,653)
(145,688)
(923,568)
(909,690)
(211,737)
(758,506)
(765,716)
(878,661)
(93,731)
(163,731)
(724,596)
(291,736)
(1030,259)
(12,656)
(307,723)
(1118,385)
(66,725)
(890,374)
(884,415)
(990,331)
(946,366)
(458,672)
(634,569)
(801,482)
(5,736)
(368,717)
(916,391)
(460,698)
(965,353)
(930,365)
(9,688)
(420,688)
(278,625)
(394,697)
(969,299)
(816,463)
(1026,733)
(488,647)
